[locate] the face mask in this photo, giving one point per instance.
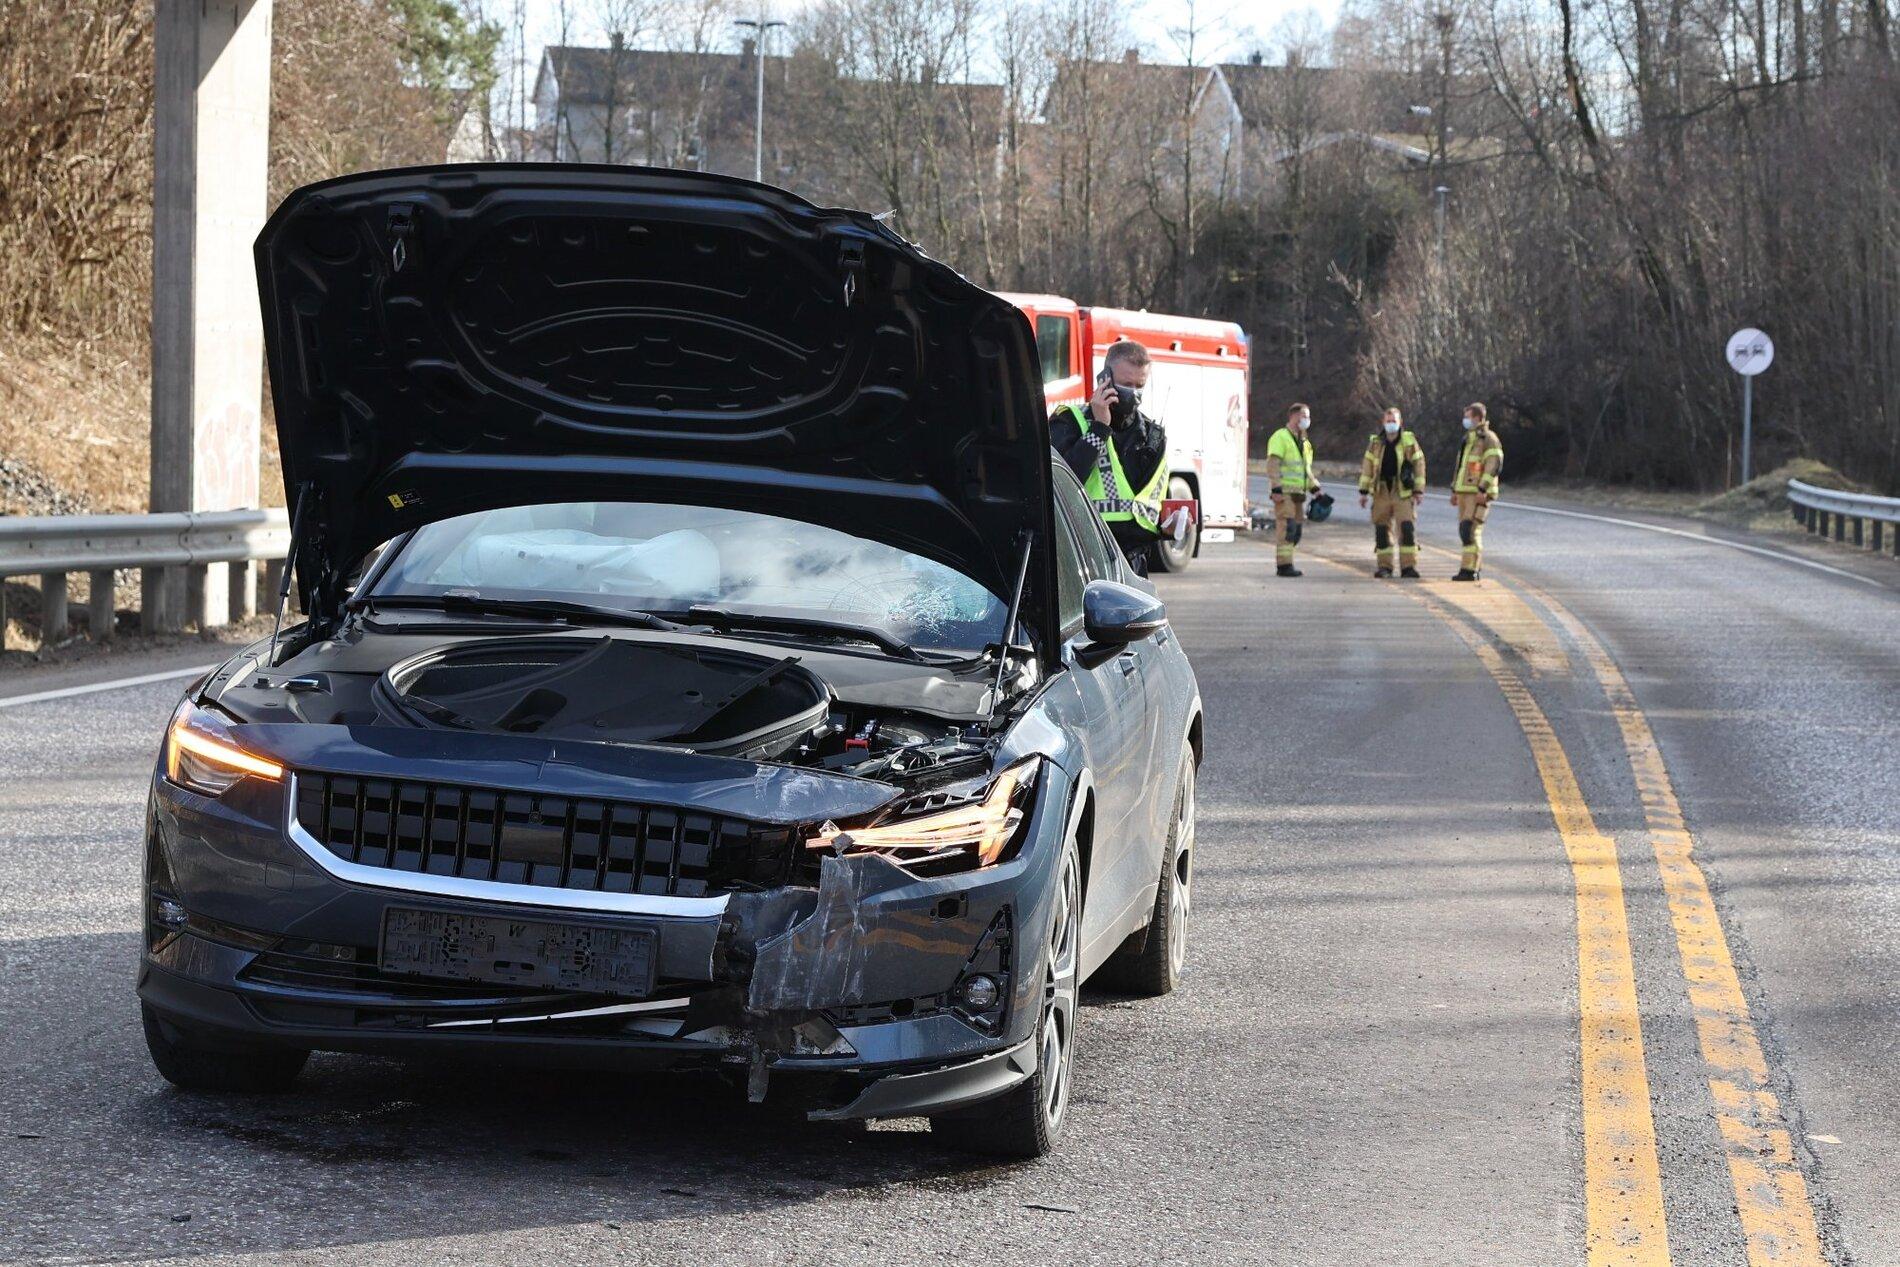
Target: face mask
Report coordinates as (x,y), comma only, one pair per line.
(1127,400)
(1305,423)
(1470,423)
(1391,428)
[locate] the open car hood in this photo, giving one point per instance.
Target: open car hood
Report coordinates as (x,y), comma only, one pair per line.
(450,339)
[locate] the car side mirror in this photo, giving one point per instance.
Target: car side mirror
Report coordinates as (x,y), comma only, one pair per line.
(1115,615)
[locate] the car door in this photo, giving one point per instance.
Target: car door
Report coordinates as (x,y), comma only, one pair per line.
(1119,743)
(1153,817)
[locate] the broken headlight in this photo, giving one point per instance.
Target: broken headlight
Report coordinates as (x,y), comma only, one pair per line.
(957,828)
(202,754)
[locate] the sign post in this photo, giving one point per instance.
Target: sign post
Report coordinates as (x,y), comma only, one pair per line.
(1749,353)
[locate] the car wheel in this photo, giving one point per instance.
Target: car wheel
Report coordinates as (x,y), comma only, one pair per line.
(1150,962)
(189,1062)
(1171,555)
(1025,1121)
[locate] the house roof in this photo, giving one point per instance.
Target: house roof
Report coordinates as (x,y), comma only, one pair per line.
(1126,79)
(1383,100)
(593,76)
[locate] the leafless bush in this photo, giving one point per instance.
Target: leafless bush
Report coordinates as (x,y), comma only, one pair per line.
(1675,176)
(75,164)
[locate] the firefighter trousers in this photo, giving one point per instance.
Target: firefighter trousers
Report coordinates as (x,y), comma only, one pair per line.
(1289,521)
(1394,519)
(1471,515)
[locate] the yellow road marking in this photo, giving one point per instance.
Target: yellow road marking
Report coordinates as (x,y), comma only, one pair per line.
(1771,1196)
(1624,1222)
(1623,1186)
(1623,1203)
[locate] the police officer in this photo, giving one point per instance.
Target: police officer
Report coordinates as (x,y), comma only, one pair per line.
(1291,481)
(1393,476)
(1473,487)
(1118,452)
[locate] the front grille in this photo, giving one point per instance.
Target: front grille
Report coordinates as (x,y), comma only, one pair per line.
(558,842)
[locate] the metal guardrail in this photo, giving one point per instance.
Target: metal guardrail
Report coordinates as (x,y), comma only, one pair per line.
(50,546)
(1818,509)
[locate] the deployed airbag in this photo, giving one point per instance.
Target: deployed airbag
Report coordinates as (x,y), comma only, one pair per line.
(679,566)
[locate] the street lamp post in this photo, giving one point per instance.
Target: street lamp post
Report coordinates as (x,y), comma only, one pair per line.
(759,26)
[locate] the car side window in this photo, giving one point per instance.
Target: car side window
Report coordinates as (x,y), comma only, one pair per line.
(1098,548)
(1069,578)
(1110,554)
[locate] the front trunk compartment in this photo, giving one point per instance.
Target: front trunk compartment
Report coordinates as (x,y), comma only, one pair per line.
(716,700)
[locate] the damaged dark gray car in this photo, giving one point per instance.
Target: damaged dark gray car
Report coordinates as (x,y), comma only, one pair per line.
(703,666)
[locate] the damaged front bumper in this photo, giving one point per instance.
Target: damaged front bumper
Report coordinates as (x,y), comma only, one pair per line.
(854,998)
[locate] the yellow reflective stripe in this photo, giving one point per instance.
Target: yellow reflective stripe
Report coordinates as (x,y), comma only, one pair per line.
(1471,477)
(1295,456)
(1125,503)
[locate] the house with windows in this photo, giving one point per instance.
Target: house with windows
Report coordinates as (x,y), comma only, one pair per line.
(1245,121)
(653,107)
(698,110)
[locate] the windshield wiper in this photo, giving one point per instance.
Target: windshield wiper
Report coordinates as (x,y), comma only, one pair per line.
(539,608)
(720,619)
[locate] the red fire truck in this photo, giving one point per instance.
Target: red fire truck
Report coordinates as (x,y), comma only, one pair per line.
(1197,390)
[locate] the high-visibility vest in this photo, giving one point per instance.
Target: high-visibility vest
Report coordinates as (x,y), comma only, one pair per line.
(1116,500)
(1480,448)
(1296,460)
(1411,462)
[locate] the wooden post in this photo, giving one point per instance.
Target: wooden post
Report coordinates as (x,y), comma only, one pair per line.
(195,574)
(53,613)
(243,590)
(102,607)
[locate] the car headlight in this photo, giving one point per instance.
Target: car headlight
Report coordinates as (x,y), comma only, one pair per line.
(952,829)
(202,754)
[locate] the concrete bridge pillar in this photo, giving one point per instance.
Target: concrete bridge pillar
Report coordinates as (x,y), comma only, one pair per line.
(211,151)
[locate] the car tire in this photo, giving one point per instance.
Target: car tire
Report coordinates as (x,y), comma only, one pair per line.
(190,1063)
(1149,963)
(1024,1122)
(1168,555)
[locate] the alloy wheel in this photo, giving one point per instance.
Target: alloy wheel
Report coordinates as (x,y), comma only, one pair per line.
(1180,892)
(1058,1020)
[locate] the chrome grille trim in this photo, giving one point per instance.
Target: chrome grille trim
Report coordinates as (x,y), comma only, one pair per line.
(455,886)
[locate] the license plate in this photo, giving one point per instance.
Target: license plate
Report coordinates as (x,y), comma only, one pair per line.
(499,950)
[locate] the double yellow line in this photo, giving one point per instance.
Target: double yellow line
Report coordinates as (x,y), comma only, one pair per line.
(1624,1206)
(1623,1201)
(1771,1196)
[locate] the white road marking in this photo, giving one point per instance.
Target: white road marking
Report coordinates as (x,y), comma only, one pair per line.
(93,688)
(1698,537)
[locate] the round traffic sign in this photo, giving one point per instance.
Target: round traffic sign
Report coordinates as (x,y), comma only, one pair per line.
(1750,352)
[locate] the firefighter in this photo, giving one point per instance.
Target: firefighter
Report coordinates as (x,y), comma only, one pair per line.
(1393,476)
(1119,453)
(1291,481)
(1473,486)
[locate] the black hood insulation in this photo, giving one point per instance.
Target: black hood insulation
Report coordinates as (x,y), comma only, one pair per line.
(613,690)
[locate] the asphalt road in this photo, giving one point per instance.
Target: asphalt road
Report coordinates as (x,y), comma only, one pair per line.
(1461,988)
